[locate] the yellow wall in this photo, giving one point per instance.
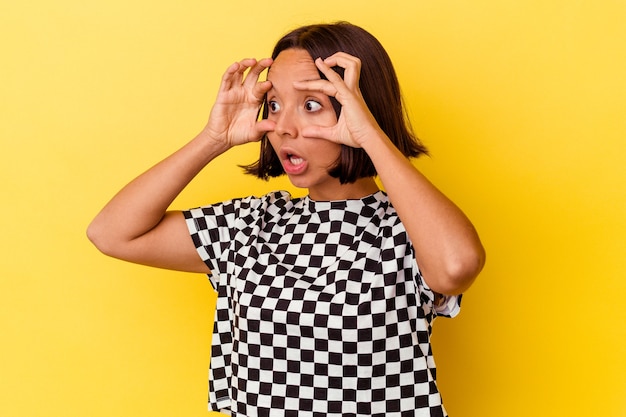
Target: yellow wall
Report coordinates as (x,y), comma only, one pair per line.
(522,104)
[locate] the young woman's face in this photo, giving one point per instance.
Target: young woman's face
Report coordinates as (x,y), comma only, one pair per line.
(305,160)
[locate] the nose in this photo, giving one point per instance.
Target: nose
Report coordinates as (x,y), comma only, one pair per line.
(286,124)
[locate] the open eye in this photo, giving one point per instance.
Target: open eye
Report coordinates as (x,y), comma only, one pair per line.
(273,106)
(312,106)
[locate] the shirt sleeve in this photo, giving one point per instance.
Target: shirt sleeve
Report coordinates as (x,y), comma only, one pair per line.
(208,227)
(214,229)
(441,305)
(438,304)
(432,304)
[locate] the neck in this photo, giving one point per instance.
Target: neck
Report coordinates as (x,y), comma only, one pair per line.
(353,191)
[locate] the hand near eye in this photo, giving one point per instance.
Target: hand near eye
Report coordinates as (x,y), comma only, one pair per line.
(233,119)
(356,123)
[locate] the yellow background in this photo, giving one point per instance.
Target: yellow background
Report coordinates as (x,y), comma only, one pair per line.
(522,104)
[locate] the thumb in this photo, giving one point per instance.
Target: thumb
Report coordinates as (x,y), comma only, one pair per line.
(263,126)
(318,132)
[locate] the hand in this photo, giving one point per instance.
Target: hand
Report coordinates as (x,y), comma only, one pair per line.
(233,119)
(356,123)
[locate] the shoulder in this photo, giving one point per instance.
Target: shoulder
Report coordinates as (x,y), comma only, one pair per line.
(382,209)
(243,206)
(273,201)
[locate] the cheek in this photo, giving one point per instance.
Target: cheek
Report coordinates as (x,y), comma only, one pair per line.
(330,150)
(328,119)
(272,138)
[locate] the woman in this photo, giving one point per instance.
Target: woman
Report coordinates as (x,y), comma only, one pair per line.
(325,303)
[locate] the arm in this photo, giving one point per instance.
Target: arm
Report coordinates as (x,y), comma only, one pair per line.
(135,225)
(446,244)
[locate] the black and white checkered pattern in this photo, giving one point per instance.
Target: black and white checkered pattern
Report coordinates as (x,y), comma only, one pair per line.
(321,309)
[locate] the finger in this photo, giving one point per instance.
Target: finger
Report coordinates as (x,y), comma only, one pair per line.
(247,63)
(351,64)
(336,80)
(255,71)
(330,74)
(259,129)
(227,78)
(319,132)
(244,64)
(233,77)
(342,56)
(260,66)
(265,125)
(234,74)
(261,88)
(321,86)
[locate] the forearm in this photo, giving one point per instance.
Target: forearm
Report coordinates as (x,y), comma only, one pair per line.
(446,244)
(140,206)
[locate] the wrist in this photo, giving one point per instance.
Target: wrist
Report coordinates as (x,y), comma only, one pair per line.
(210,144)
(375,140)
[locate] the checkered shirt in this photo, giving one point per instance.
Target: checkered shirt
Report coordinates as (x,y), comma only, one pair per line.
(321,309)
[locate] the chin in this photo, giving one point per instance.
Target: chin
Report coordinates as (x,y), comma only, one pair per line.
(299,182)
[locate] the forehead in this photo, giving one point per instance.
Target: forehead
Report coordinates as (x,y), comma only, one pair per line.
(293,64)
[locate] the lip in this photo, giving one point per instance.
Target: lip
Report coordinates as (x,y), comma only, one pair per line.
(287,157)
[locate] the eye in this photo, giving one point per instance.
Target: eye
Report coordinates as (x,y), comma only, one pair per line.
(312,106)
(273,106)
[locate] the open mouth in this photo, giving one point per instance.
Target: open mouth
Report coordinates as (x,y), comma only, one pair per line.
(294,159)
(293,164)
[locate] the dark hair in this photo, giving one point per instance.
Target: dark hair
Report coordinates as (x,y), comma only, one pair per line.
(379,86)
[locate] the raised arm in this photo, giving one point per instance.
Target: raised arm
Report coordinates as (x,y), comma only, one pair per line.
(447,247)
(135,225)
(446,244)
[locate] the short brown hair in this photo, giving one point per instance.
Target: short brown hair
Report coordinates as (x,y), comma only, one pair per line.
(379,86)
